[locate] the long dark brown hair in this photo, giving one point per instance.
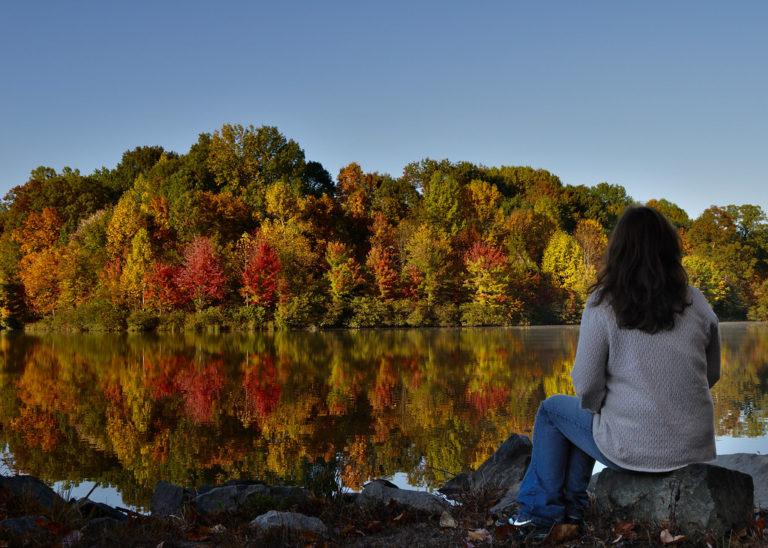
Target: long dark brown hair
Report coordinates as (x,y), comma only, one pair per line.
(642,276)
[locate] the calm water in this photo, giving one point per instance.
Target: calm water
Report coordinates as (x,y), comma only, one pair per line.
(414,405)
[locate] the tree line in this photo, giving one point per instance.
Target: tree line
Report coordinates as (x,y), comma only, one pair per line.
(243,232)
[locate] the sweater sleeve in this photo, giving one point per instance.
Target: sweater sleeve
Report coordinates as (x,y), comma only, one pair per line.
(713,354)
(589,367)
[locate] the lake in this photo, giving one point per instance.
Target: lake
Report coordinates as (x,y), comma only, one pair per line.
(124,411)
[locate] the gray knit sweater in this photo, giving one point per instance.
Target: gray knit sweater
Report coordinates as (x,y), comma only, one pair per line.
(650,393)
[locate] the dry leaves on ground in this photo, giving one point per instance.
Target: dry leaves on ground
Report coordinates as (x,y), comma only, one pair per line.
(669,538)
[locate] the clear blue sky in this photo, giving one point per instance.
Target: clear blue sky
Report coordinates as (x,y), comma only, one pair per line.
(669,99)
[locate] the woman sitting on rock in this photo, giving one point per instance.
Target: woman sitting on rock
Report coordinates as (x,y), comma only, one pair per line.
(648,354)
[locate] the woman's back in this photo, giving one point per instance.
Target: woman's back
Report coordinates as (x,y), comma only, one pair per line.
(650,391)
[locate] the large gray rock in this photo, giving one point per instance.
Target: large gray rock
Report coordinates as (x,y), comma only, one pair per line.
(291,521)
(754,465)
(32,490)
(382,492)
(501,471)
(238,497)
(695,499)
(168,499)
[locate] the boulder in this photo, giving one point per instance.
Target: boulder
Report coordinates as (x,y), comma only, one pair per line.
(754,465)
(93,510)
(168,499)
(382,492)
(693,500)
(239,496)
(23,525)
(291,521)
(31,489)
(501,471)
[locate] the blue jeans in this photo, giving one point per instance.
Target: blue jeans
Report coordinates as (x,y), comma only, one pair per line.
(564,453)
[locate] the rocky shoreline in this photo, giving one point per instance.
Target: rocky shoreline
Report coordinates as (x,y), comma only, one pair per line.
(702,503)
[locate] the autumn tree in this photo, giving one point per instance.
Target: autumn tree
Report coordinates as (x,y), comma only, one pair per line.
(137,266)
(246,160)
(260,276)
(427,255)
(201,276)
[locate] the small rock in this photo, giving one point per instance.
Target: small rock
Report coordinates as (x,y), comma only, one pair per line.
(382,492)
(292,521)
(696,499)
(237,497)
(23,525)
(446,520)
(31,488)
(168,499)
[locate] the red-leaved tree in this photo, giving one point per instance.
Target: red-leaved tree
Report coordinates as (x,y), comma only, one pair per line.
(261,275)
(202,278)
(162,289)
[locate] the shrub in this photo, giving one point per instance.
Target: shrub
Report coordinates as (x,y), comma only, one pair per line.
(245,318)
(399,312)
(421,315)
(209,320)
(368,312)
(477,314)
(142,320)
(446,314)
(299,311)
(171,321)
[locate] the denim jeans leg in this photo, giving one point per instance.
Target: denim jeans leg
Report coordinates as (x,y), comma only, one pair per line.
(564,454)
(541,492)
(575,498)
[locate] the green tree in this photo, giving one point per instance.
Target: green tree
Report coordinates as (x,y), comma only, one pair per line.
(246,160)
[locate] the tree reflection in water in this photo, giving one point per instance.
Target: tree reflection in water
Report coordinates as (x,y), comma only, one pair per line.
(130,410)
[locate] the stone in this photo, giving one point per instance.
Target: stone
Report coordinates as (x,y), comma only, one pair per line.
(501,471)
(92,510)
(382,492)
(447,521)
(168,499)
(291,521)
(31,489)
(693,500)
(237,496)
(23,525)
(754,465)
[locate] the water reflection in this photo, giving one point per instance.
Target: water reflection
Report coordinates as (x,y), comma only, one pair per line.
(127,411)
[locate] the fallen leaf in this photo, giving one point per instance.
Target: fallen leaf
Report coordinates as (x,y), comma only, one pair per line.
(625,529)
(479,535)
(668,538)
(617,539)
(563,531)
(399,516)
(446,520)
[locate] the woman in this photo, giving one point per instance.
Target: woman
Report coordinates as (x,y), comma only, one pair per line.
(648,353)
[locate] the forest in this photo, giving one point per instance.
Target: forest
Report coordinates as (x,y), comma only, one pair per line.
(243,232)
